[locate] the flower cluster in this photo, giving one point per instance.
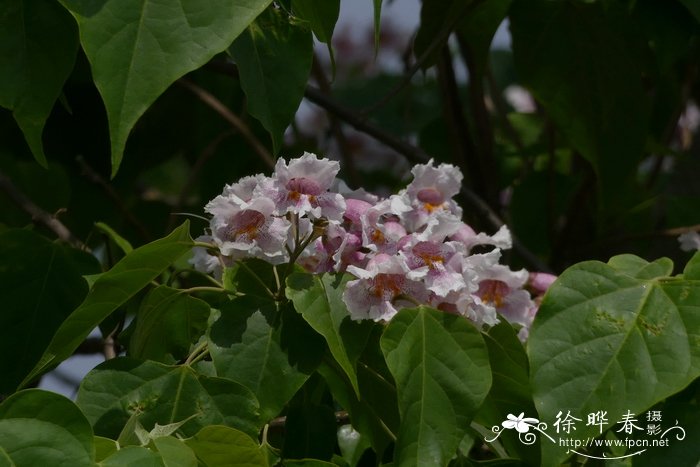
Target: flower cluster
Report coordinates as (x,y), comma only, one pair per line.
(410,248)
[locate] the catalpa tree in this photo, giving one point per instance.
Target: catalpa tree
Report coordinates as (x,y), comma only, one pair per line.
(293,243)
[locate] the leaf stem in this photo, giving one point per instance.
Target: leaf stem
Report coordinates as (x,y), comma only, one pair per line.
(198,353)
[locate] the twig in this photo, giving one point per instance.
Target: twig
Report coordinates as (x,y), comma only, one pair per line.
(97,179)
(346,157)
(203,157)
(437,42)
(38,214)
(238,124)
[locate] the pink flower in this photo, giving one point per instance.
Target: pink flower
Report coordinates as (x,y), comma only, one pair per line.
(243,229)
(302,187)
(431,191)
(380,289)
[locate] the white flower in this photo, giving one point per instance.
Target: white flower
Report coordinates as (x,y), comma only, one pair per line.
(690,241)
(521,423)
(242,229)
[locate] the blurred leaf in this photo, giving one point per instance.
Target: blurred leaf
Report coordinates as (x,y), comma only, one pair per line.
(441,367)
(693,7)
(220,446)
(322,16)
(111,290)
(437,19)
(478,28)
(583,63)
(39,42)
(118,240)
(246,348)
(41,286)
(44,428)
(116,390)
(612,339)
(104,447)
(175,453)
(377,13)
(137,48)
(320,302)
(168,322)
(269,45)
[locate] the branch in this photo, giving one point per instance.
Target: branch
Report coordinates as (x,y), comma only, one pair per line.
(238,124)
(97,179)
(38,214)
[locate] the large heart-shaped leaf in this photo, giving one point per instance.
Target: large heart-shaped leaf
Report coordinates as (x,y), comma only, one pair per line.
(43,428)
(111,290)
(41,286)
(120,388)
(319,299)
(613,339)
(247,348)
(168,322)
(269,45)
(442,372)
(38,44)
(137,48)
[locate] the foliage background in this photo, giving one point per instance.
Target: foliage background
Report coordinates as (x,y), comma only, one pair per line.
(117,116)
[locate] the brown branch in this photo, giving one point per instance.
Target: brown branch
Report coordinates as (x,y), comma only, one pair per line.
(336,128)
(238,124)
(38,214)
(97,179)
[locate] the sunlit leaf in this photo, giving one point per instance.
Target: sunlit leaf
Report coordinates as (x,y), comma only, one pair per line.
(614,340)
(441,367)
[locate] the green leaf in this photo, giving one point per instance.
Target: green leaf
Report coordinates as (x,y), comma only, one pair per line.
(693,7)
(269,45)
(246,348)
(692,269)
(5,460)
(437,19)
(104,447)
(377,10)
(43,428)
(137,48)
(441,367)
(38,45)
(41,286)
(220,446)
(322,16)
(478,28)
(159,394)
(319,299)
(133,456)
(120,241)
(639,268)
(111,290)
(168,322)
(510,392)
(604,339)
(584,63)
(175,453)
